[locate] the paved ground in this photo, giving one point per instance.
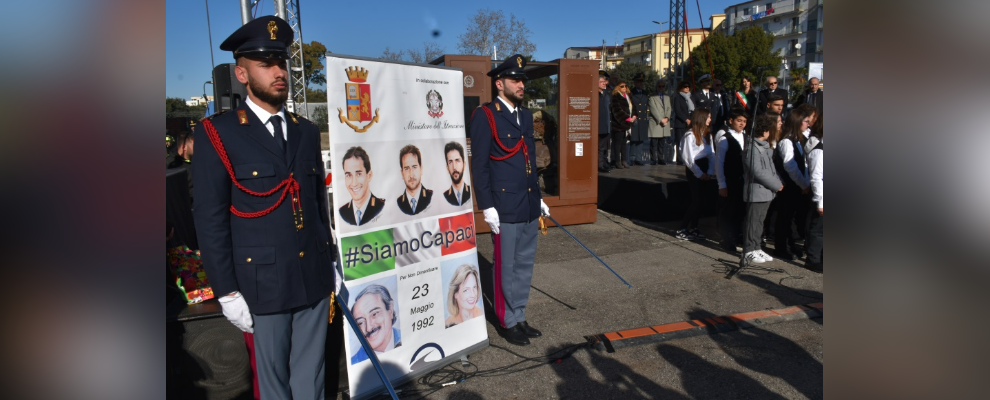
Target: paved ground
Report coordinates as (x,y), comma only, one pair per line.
(574,297)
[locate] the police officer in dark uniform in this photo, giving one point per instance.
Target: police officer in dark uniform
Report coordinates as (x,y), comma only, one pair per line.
(507,191)
(641,128)
(270,261)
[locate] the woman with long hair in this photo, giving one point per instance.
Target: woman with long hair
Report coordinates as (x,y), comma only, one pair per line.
(622,122)
(789,159)
(816,172)
(463,296)
(699,165)
(746,97)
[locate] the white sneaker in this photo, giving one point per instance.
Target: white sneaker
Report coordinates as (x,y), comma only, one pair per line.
(765,255)
(755,257)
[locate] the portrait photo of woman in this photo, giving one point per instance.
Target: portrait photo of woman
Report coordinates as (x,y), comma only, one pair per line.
(464,296)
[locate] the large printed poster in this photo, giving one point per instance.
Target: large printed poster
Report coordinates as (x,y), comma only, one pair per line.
(404,217)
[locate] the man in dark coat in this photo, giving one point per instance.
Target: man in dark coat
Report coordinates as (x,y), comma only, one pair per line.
(813,95)
(641,128)
(604,121)
(772,89)
(270,261)
(508,194)
(364,207)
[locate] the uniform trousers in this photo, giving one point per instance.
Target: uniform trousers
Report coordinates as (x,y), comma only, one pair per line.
(657,153)
(753,228)
(603,150)
(289,349)
(816,238)
(515,254)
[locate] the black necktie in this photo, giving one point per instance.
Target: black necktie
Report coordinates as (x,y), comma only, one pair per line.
(276,122)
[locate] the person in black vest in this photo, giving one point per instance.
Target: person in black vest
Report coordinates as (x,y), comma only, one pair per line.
(269,259)
(459,192)
(604,121)
(638,155)
(789,159)
(813,96)
(729,171)
(771,90)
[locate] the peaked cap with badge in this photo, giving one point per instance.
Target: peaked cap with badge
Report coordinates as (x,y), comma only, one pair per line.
(265,37)
(512,67)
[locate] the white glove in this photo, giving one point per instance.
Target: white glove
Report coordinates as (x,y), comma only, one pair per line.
(236,311)
(544,208)
(491,217)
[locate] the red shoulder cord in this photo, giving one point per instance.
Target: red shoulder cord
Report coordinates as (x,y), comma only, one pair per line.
(511,152)
(288,186)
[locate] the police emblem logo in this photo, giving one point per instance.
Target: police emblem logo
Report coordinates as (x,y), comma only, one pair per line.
(434,104)
(519,61)
(468,81)
(358,100)
(272,30)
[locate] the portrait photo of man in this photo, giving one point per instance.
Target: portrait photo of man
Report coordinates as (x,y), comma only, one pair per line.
(364,207)
(374,313)
(415,198)
(459,192)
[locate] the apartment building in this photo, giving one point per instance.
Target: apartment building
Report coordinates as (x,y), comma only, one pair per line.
(654,49)
(797,25)
(613,54)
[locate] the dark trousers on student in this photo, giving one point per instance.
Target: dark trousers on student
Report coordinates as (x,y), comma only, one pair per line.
(788,205)
(693,213)
(730,217)
(753,227)
(816,237)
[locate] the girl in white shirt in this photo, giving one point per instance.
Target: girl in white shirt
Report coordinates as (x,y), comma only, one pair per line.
(699,163)
(790,161)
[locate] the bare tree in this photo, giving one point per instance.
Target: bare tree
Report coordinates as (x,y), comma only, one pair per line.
(389,55)
(489,28)
(431,50)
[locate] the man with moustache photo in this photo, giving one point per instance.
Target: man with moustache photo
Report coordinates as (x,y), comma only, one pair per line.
(364,207)
(459,192)
(374,313)
(415,198)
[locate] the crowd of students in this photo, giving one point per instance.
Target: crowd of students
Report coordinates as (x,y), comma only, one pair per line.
(770,181)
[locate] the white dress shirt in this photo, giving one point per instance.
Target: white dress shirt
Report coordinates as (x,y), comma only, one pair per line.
(816,167)
(512,110)
(264,116)
(691,151)
(791,160)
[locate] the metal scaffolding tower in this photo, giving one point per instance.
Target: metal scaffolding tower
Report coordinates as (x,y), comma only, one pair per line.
(289,11)
(678,35)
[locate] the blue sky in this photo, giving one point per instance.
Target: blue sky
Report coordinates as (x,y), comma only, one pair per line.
(365,28)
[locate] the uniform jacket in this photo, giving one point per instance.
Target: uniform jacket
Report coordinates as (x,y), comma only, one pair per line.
(620,113)
(274,266)
(710,103)
(452,197)
(759,169)
(641,109)
(425,196)
(504,185)
(375,207)
(660,108)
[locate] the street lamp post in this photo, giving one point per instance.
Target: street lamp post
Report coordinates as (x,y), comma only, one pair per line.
(206,99)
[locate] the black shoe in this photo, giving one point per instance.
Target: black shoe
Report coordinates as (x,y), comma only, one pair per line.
(604,170)
(783,255)
(817,267)
(653,163)
(529,330)
(514,335)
